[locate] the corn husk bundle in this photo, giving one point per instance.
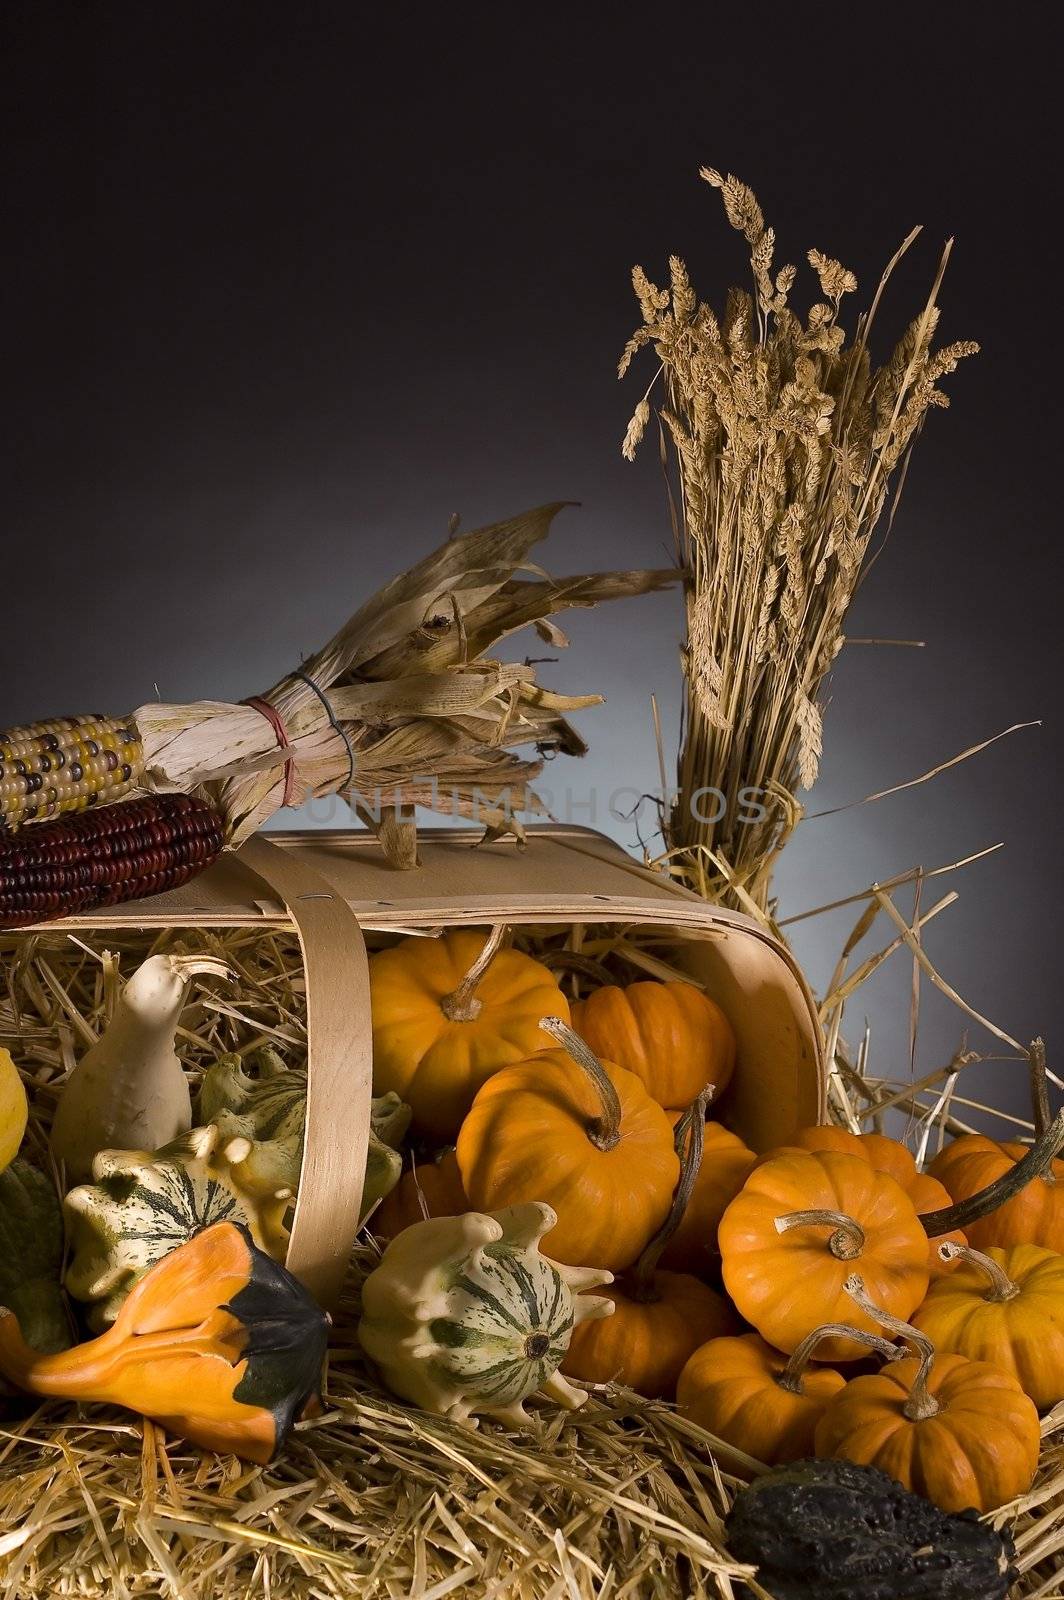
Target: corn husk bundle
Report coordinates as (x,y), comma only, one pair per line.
(787,441)
(404,706)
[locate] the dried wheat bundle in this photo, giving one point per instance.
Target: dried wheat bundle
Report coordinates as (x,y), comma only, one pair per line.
(404,705)
(786,441)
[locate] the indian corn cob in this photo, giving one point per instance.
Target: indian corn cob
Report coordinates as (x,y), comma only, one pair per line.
(116,853)
(67,764)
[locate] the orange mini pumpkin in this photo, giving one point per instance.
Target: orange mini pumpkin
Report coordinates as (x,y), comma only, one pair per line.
(726,1164)
(1005,1307)
(800,1226)
(579,1135)
(971,1163)
(1011,1193)
(961,1432)
(431,1189)
(659,1318)
(763,1403)
(647,1343)
(669,1034)
(890,1156)
(449,1012)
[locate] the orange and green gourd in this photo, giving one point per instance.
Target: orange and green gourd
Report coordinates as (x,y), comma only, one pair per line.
(218,1343)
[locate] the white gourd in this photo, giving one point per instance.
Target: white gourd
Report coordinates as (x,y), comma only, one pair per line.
(129,1090)
(465,1315)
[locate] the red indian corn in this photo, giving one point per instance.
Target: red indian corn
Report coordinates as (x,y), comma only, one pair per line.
(119,852)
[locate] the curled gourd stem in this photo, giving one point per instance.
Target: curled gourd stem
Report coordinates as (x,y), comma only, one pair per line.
(1036,1056)
(690,1143)
(848,1239)
(605,1131)
(580,965)
(794,1372)
(462,1005)
(1037,1163)
(921,1404)
(1001,1288)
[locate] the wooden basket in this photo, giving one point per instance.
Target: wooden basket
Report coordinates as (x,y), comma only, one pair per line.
(333,887)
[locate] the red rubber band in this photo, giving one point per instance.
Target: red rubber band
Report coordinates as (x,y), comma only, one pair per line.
(273,717)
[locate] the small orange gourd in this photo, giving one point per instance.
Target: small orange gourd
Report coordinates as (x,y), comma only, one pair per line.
(761,1402)
(801,1224)
(961,1432)
(726,1164)
(1035,1215)
(449,1012)
(890,1156)
(430,1189)
(1026,1184)
(669,1034)
(583,1137)
(659,1318)
(1005,1307)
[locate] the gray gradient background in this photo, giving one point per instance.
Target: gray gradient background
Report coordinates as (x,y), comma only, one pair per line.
(285,286)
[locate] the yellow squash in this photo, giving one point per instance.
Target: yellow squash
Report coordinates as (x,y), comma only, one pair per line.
(13,1109)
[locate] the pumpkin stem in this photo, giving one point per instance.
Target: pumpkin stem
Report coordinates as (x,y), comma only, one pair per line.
(1037,1163)
(1001,1288)
(462,1005)
(1036,1056)
(580,965)
(845,1244)
(794,1372)
(921,1404)
(690,1143)
(605,1131)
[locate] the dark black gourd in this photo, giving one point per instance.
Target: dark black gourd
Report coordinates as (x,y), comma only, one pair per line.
(830,1530)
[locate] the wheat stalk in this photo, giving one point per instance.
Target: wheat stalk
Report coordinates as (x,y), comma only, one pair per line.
(786,441)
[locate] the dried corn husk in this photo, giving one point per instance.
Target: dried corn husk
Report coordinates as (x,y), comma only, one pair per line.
(404,706)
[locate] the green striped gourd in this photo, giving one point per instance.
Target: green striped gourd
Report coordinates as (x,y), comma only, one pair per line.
(465,1315)
(265,1102)
(142,1204)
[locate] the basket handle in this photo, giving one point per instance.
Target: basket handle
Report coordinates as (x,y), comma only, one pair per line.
(339,1067)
